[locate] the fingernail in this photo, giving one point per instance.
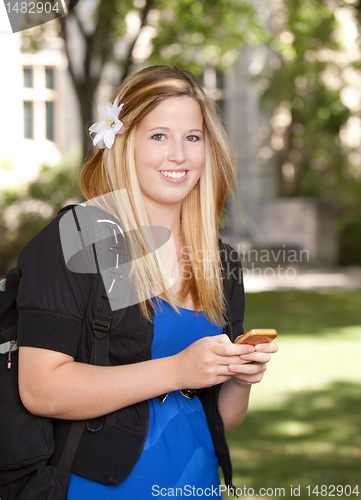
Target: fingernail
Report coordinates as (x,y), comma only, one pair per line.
(259,347)
(244,356)
(251,348)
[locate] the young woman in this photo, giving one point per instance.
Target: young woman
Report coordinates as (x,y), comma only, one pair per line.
(176,382)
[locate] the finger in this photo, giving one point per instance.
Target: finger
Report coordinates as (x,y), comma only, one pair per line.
(232,349)
(232,360)
(248,379)
(248,368)
(258,357)
(271,347)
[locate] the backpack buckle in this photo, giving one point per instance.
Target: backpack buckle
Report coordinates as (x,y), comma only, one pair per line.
(101,327)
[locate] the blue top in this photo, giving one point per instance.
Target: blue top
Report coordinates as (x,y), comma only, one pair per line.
(178,452)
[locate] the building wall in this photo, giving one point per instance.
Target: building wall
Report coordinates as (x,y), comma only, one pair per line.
(20,157)
(249,130)
(304,223)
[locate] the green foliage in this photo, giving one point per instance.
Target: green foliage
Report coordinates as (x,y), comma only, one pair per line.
(23,213)
(349,229)
(303,425)
(192,34)
(130,33)
(306,52)
(296,313)
(317,113)
(313,438)
(187,33)
(35,39)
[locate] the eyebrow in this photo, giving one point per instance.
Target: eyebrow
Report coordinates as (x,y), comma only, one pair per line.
(166,128)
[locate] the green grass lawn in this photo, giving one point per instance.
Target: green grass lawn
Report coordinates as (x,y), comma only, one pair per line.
(303,426)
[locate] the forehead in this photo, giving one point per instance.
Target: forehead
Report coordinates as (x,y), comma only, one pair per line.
(176,111)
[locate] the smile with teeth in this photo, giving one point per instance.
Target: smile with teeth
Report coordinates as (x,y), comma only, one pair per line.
(174,175)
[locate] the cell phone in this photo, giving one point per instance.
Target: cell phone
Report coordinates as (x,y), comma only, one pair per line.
(257,336)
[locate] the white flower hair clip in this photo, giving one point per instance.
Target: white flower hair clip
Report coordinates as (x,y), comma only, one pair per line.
(109,126)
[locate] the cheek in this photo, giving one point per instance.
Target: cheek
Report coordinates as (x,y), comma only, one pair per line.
(201,158)
(155,155)
(148,157)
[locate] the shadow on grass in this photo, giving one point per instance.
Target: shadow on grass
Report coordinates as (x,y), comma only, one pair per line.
(312,439)
(295,312)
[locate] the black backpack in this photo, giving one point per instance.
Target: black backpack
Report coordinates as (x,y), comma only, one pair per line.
(26,440)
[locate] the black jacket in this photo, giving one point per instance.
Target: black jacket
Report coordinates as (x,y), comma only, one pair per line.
(108,455)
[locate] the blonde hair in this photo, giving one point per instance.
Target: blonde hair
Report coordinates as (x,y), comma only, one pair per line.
(110,170)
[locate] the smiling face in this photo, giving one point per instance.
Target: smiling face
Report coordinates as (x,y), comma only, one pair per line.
(170,151)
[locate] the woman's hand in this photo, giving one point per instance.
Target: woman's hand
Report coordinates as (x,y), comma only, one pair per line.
(206,362)
(234,394)
(251,368)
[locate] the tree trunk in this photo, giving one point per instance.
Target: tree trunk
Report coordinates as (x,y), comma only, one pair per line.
(86,97)
(85,88)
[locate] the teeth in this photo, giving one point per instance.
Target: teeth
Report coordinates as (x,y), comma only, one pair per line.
(173,175)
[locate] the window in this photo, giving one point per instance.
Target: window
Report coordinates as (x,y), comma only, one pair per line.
(39,102)
(28,119)
(28,77)
(49,78)
(49,107)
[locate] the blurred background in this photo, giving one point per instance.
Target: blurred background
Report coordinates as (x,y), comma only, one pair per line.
(285,77)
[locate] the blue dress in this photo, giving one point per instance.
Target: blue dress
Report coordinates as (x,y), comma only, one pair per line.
(178,452)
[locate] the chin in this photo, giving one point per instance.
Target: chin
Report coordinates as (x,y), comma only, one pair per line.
(172,200)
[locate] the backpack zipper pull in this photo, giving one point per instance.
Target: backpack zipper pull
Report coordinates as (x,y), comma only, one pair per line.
(9,354)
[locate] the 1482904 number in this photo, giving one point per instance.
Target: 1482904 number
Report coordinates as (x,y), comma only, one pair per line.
(333,491)
(32,7)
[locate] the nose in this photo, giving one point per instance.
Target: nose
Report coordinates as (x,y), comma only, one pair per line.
(177,152)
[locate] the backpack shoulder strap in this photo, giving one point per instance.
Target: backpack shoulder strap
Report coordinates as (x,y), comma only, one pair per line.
(67,208)
(8,309)
(101,318)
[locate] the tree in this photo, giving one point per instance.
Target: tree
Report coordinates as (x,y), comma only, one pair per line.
(187,33)
(23,213)
(314,125)
(123,33)
(308,112)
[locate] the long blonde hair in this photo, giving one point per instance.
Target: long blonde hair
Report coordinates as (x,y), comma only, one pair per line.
(110,170)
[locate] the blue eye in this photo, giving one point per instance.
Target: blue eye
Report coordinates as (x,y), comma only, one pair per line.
(157,137)
(192,138)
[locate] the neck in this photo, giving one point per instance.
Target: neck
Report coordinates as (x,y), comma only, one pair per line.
(167,216)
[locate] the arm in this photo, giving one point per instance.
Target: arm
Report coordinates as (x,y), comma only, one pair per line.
(52,384)
(234,394)
(233,397)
